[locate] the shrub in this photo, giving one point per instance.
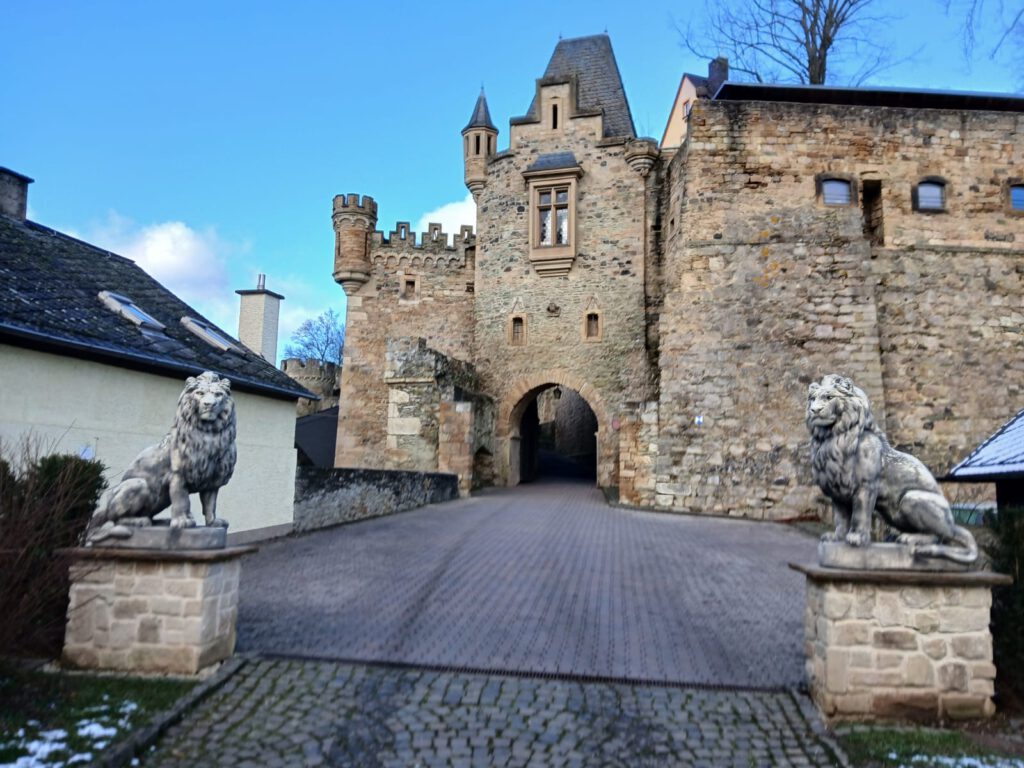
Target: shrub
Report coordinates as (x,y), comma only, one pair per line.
(1006,551)
(45,505)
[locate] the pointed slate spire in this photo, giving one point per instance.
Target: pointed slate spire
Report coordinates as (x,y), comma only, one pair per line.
(481,114)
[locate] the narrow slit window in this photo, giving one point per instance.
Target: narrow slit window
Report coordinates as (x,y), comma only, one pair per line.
(836,192)
(931,196)
(518,331)
(1017,197)
(554,116)
(593,325)
(477,144)
(490,145)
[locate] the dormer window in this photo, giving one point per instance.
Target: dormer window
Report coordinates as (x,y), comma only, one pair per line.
(209,334)
(929,196)
(129,310)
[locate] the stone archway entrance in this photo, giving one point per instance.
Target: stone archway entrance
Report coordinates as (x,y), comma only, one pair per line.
(553,422)
(558,437)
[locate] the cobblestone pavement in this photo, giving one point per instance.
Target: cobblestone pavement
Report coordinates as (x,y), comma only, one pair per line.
(541,578)
(310,713)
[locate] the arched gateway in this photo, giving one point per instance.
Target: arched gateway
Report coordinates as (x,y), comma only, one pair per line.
(521,413)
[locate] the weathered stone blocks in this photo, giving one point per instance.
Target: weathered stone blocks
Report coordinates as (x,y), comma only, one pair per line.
(901,645)
(168,612)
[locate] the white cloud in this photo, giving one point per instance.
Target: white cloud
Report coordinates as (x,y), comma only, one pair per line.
(190,262)
(450,216)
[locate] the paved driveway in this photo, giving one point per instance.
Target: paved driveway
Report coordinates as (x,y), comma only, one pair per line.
(544,578)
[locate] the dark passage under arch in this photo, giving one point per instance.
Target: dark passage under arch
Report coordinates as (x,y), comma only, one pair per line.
(558,437)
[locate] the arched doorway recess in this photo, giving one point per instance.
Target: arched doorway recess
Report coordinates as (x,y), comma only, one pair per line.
(554,422)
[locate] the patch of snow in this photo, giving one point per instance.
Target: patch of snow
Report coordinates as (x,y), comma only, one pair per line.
(94,730)
(939,761)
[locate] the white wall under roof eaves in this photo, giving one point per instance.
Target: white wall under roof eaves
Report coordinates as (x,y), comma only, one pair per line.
(69,404)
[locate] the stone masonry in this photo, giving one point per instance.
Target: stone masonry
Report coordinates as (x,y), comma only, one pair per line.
(694,292)
(900,645)
(148,611)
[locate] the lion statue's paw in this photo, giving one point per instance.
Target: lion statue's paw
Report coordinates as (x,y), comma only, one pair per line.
(858,538)
(183,522)
(217,522)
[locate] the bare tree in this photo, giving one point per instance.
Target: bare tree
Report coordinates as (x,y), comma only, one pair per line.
(320,338)
(1005,17)
(791,40)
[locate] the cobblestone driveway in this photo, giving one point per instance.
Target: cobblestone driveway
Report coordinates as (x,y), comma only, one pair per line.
(308,713)
(541,578)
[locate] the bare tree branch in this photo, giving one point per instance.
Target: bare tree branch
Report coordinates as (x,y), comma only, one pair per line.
(789,40)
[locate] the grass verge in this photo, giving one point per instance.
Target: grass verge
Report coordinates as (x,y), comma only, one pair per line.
(69,719)
(868,747)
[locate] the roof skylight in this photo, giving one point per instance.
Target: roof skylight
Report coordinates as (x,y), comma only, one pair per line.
(128,309)
(209,334)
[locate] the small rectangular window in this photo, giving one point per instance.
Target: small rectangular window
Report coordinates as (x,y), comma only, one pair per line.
(931,196)
(554,116)
(1017,197)
(593,325)
(409,290)
(836,192)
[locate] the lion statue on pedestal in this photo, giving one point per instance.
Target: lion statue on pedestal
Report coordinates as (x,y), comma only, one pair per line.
(853,463)
(196,456)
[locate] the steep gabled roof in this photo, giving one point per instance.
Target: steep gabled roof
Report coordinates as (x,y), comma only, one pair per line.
(1001,456)
(49,301)
(591,62)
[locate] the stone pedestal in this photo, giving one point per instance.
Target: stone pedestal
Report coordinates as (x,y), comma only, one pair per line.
(899,644)
(144,610)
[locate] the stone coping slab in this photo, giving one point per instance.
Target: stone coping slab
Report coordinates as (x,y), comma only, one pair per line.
(939,578)
(157,555)
(881,556)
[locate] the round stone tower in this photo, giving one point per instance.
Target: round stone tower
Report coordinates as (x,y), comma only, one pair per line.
(354,221)
(479,142)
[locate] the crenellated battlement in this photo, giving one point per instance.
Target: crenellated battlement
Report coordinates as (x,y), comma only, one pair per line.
(434,239)
(354,204)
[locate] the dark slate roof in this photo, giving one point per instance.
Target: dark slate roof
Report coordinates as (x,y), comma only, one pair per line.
(999,457)
(591,62)
(49,286)
(553,161)
(481,117)
(315,436)
(871,97)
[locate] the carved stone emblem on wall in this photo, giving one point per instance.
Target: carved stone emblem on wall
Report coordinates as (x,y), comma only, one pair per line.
(853,463)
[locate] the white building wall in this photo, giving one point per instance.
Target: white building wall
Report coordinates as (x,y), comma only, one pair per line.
(69,404)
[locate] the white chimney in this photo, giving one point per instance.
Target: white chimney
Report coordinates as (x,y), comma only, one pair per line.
(257,319)
(13,194)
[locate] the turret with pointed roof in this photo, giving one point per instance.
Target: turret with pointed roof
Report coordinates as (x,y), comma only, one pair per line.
(479,140)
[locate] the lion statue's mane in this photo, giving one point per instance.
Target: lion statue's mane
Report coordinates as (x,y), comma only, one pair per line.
(853,463)
(196,456)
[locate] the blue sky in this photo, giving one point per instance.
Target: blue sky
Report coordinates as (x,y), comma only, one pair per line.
(207,139)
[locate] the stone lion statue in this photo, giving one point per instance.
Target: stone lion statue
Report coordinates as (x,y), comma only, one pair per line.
(853,463)
(196,456)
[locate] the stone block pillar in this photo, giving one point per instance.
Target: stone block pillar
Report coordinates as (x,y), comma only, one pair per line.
(136,610)
(899,644)
(455,443)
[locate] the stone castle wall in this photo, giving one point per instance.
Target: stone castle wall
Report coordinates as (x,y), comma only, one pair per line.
(439,309)
(767,289)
